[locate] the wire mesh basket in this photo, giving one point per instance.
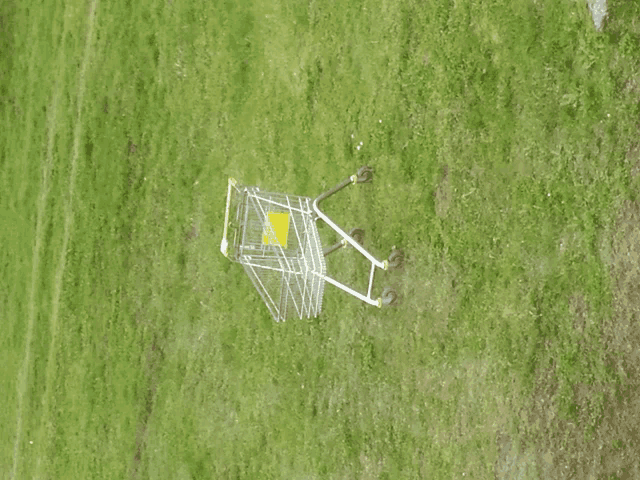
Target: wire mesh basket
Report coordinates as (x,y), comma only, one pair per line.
(274,237)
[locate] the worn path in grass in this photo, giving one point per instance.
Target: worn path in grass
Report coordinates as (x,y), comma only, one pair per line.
(497,166)
(46,429)
(47,165)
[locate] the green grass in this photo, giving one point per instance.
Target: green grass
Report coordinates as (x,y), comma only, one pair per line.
(502,140)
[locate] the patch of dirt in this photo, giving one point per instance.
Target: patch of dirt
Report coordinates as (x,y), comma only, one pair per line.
(633,159)
(632,86)
(513,463)
(154,358)
(193,232)
(578,310)
(371,468)
(603,439)
(560,448)
(430,288)
(131,147)
(443,194)
(623,333)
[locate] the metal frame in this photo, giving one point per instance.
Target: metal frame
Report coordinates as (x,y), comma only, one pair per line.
(302,267)
(348,240)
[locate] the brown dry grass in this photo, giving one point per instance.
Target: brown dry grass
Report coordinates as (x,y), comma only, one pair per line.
(603,438)
(611,448)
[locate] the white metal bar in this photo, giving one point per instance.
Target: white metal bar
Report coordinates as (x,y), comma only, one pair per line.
(303,245)
(315,248)
(274,202)
(280,270)
(244,220)
(288,295)
(346,236)
(298,273)
(282,307)
(341,286)
(224,244)
(271,305)
(373,269)
(295,226)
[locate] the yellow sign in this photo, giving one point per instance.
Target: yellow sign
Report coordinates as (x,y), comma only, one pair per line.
(276,229)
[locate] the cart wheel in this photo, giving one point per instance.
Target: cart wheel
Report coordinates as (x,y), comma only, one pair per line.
(365,174)
(357,234)
(396,260)
(389,297)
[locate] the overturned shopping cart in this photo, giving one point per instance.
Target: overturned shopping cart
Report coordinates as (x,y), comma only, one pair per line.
(275,238)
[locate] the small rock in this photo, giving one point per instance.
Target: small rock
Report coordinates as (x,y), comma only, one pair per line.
(598,9)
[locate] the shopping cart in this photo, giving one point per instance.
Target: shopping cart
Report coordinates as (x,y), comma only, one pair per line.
(275,238)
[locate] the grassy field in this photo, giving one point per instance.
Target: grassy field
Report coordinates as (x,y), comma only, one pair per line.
(506,147)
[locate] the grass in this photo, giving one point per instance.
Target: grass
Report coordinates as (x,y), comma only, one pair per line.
(504,140)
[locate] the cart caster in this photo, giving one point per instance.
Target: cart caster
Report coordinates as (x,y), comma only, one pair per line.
(365,174)
(396,259)
(357,234)
(389,297)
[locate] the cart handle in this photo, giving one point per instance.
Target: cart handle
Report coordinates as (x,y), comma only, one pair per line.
(224,245)
(364,176)
(337,188)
